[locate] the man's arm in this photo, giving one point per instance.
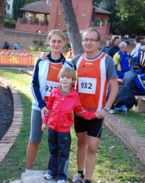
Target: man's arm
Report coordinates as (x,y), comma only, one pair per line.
(113,93)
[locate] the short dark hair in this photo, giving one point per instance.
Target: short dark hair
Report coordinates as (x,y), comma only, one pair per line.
(137,39)
(114,39)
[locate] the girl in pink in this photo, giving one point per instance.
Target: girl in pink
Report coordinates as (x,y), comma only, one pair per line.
(63,101)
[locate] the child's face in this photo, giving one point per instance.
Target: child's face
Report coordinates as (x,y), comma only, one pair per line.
(65,81)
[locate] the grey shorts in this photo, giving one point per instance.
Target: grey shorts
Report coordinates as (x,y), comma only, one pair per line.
(36,122)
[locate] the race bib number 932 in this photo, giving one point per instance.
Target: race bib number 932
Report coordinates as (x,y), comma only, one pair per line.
(87,85)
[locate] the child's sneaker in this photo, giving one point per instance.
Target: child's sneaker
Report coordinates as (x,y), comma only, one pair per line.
(125,111)
(61,181)
(48,176)
(111,111)
(78,178)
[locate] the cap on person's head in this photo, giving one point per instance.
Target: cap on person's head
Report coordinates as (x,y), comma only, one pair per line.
(135,65)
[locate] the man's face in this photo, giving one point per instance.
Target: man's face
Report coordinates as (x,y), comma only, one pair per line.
(90,42)
(124,49)
(117,42)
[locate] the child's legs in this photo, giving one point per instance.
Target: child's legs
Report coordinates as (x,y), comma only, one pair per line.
(64,142)
(53,149)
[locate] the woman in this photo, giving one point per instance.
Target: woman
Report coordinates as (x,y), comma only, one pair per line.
(43,81)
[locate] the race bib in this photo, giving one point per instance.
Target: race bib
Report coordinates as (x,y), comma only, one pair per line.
(87,85)
(50,85)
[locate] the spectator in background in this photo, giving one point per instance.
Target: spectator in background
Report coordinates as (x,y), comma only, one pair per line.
(124,101)
(121,60)
(6,45)
(137,46)
(105,48)
(69,54)
(115,46)
(134,81)
(16,46)
(139,57)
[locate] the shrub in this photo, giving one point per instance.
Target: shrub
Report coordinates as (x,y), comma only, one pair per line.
(36,20)
(45,21)
(24,19)
(39,45)
(9,23)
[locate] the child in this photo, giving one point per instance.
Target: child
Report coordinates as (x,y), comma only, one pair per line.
(63,101)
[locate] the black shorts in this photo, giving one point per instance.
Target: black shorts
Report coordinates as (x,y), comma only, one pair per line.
(93,127)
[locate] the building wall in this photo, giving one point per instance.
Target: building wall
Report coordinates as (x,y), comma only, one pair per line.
(9,7)
(25,39)
(83,12)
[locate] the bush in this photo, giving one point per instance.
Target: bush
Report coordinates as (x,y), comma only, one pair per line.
(45,21)
(24,19)
(39,45)
(9,23)
(36,20)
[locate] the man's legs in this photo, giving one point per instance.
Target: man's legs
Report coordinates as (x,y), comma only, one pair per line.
(81,150)
(35,138)
(92,143)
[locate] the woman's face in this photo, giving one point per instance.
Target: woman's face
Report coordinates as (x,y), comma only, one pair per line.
(56,43)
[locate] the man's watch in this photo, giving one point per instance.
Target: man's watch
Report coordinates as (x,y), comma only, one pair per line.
(107,108)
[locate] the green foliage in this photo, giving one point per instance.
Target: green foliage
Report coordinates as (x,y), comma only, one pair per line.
(132,16)
(17,4)
(39,45)
(36,20)
(24,20)
(110,6)
(96,2)
(45,21)
(16,8)
(9,23)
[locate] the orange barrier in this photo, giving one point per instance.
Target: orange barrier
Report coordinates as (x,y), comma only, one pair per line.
(18,58)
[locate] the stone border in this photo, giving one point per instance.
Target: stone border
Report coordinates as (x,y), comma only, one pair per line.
(12,133)
(128,135)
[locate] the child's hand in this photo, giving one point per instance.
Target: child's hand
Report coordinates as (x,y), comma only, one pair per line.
(96,114)
(43,127)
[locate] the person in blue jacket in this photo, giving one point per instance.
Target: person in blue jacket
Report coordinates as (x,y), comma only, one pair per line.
(44,80)
(139,80)
(121,60)
(105,48)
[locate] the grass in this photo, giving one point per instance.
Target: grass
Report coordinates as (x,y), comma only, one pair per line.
(115,163)
(136,120)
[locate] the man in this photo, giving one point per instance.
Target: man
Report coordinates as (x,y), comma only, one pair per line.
(134,80)
(115,46)
(139,57)
(121,60)
(137,46)
(105,48)
(95,70)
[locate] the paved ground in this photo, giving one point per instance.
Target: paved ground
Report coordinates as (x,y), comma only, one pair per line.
(6,110)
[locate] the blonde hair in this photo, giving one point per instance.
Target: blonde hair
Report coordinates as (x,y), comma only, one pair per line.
(56,32)
(68,72)
(91,29)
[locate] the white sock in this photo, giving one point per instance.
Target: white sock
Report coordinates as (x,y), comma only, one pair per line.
(28,170)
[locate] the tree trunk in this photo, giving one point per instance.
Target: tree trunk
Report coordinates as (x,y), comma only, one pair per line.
(2,14)
(72,26)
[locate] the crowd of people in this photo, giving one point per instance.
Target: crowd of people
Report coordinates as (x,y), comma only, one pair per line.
(58,105)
